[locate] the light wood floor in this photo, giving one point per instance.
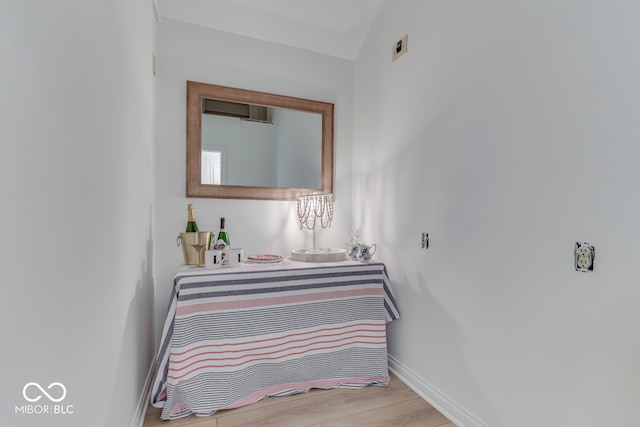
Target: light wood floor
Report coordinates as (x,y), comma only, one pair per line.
(396,405)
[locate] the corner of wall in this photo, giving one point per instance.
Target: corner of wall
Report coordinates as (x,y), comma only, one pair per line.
(443,403)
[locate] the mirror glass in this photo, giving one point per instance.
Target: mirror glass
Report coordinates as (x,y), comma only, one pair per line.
(254,145)
(273,147)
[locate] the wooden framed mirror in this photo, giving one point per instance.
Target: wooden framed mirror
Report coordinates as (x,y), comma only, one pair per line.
(284,162)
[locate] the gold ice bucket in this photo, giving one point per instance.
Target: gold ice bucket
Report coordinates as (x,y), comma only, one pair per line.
(193,246)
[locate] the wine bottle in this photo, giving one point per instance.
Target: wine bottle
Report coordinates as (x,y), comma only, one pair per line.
(191,222)
(222,234)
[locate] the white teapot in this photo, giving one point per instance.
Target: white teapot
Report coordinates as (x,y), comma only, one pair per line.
(352,250)
(365,252)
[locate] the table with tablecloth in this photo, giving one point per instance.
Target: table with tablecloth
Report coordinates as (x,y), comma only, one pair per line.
(233,336)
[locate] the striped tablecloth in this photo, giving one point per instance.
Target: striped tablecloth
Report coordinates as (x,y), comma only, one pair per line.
(234,336)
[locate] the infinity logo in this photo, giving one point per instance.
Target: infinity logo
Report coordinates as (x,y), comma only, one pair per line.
(43,391)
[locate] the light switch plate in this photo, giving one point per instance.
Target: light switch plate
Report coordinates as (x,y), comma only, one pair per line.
(399,49)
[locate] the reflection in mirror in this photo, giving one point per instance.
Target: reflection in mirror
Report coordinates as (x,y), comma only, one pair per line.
(254,145)
(273,147)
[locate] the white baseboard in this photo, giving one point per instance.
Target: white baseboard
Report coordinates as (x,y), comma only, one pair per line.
(446,406)
(143,401)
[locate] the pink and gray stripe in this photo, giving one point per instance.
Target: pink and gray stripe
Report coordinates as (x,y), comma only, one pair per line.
(236,336)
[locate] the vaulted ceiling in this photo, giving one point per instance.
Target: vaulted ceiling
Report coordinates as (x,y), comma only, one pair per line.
(332,27)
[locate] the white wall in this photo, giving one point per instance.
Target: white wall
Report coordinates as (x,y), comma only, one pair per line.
(299,140)
(188,52)
(76,182)
(508,133)
(248,149)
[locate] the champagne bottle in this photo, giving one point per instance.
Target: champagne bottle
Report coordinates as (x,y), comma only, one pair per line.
(222,234)
(191,222)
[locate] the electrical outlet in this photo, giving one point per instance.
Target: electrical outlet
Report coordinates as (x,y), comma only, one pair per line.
(425,240)
(399,49)
(585,254)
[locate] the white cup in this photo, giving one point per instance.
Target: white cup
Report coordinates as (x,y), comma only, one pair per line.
(213,258)
(235,257)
